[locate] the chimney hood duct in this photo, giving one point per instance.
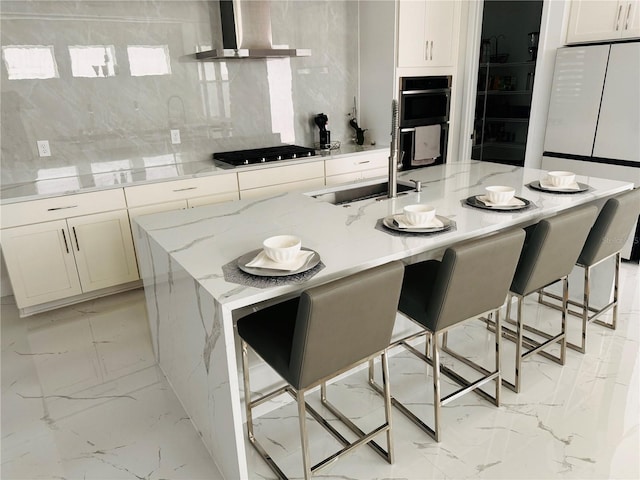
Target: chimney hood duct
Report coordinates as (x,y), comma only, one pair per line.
(246,32)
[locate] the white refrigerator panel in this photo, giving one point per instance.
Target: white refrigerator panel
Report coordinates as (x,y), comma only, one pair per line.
(618,131)
(573,109)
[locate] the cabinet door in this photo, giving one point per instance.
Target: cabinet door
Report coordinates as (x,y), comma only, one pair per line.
(631,26)
(412,47)
(40,263)
(440,32)
(594,20)
(103,249)
(427,33)
(619,121)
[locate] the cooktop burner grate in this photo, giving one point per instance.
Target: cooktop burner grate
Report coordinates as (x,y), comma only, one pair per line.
(263,155)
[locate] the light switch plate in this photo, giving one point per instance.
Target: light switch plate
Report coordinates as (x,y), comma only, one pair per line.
(175,136)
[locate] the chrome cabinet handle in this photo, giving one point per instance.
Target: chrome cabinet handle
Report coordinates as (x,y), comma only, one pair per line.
(60,208)
(64,237)
(184,189)
(75,235)
(426,50)
(618,17)
(626,22)
(364,161)
(431,54)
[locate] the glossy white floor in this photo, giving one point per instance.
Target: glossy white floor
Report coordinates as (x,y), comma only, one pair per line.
(83,399)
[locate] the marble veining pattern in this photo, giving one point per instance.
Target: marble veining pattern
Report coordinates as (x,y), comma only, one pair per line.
(580,421)
(347,243)
(107,129)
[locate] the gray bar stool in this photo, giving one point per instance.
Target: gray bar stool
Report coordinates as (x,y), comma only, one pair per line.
(606,238)
(473,278)
(325,332)
(550,251)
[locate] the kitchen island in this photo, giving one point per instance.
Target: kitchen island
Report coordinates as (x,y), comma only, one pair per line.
(194,292)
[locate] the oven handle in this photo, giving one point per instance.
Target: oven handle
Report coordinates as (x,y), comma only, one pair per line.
(404,130)
(422,92)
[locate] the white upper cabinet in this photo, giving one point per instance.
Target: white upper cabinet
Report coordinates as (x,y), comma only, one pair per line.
(598,20)
(427,33)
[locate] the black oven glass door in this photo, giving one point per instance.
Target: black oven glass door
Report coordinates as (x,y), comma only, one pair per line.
(420,107)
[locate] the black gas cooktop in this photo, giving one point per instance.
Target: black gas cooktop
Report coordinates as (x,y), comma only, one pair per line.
(262,155)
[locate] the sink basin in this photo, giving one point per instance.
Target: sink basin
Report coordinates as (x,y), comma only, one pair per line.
(359,192)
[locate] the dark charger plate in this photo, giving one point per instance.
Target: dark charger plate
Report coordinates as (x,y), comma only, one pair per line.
(537,186)
(475,202)
(311,262)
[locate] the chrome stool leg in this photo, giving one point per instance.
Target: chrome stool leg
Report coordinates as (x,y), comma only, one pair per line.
(435,358)
(302,412)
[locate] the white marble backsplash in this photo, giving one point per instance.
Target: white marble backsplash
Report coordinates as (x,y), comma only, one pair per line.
(118,121)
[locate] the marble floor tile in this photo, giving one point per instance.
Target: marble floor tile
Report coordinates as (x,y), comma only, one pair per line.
(82,398)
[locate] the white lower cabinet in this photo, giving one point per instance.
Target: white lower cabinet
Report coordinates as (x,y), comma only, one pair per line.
(40,263)
(59,259)
(103,248)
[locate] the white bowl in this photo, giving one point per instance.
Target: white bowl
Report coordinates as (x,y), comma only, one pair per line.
(419,214)
(499,194)
(282,248)
(561,179)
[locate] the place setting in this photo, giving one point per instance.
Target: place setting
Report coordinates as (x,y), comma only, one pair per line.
(498,198)
(282,259)
(559,181)
(418,219)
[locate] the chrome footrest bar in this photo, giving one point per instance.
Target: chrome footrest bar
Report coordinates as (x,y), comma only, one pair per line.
(534,346)
(355,429)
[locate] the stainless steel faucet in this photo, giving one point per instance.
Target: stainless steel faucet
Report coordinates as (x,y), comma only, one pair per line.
(393,154)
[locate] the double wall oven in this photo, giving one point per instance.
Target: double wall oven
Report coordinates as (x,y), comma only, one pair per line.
(424,120)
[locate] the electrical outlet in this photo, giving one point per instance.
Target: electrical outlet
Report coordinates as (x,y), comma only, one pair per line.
(43,148)
(175,136)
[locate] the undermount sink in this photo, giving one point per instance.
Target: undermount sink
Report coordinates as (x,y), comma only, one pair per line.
(359,192)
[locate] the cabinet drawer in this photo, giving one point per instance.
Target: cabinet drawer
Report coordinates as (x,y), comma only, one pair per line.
(357,163)
(213,199)
(47,209)
(279,175)
(311,184)
(180,189)
(354,177)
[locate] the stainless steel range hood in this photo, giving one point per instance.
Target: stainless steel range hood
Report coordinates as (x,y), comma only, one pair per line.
(246,32)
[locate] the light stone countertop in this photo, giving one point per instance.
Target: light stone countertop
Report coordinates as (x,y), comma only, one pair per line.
(202,240)
(192,306)
(161,168)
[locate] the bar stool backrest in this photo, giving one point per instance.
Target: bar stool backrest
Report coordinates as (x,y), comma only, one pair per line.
(551,249)
(473,278)
(343,322)
(612,227)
